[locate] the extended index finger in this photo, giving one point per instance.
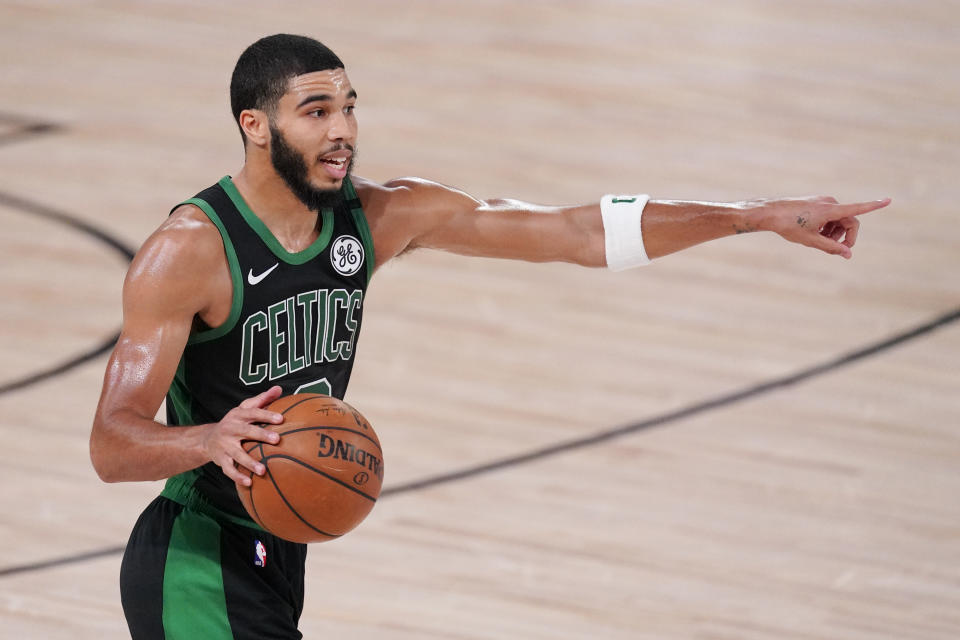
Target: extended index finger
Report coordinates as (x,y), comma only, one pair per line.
(857,208)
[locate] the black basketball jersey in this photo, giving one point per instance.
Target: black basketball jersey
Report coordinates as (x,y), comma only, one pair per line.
(293,322)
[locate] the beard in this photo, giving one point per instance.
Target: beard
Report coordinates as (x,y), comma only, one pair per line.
(292,167)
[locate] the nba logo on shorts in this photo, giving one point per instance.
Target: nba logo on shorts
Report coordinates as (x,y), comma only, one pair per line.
(261,551)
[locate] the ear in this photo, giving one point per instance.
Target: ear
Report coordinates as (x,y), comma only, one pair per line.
(256,126)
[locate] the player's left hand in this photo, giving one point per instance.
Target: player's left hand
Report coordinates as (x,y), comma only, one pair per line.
(819,222)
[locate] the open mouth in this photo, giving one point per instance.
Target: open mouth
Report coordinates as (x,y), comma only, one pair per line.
(336,163)
(336,166)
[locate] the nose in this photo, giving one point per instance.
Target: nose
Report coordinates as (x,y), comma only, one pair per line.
(339,127)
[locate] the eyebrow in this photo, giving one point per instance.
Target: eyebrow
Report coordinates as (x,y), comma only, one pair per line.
(323,97)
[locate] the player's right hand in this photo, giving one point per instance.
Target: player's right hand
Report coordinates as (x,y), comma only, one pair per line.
(819,222)
(223,441)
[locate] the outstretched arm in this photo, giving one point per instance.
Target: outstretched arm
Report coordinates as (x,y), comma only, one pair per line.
(441,217)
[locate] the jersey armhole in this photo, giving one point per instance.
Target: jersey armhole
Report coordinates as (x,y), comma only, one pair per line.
(360,221)
(236,278)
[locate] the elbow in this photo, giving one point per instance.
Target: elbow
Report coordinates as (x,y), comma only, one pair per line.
(101,464)
(593,258)
(106,474)
(101,459)
(592,252)
(589,248)
(106,477)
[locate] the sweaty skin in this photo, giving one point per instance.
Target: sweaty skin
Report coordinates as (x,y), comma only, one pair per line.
(163,294)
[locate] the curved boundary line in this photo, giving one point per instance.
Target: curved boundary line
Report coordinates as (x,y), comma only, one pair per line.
(16,202)
(691,410)
(600,437)
(24,128)
(26,206)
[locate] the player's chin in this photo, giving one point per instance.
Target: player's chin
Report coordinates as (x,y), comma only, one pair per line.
(325,183)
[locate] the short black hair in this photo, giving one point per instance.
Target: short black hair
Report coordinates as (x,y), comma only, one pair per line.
(263,71)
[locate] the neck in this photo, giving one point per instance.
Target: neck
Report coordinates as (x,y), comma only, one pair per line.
(290,221)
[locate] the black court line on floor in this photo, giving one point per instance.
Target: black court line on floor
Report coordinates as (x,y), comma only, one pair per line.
(21,128)
(710,404)
(27,206)
(661,420)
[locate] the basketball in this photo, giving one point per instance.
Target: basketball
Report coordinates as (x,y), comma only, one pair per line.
(324,475)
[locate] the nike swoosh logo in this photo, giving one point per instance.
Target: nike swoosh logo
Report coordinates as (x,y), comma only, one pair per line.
(252,279)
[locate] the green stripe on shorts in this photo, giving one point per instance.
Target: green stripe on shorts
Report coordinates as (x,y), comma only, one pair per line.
(194,604)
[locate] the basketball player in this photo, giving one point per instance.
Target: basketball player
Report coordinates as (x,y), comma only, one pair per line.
(255,288)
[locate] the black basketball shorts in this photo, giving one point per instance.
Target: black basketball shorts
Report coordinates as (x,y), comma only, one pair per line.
(189,574)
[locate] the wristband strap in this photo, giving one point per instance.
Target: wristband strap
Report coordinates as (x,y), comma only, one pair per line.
(623,235)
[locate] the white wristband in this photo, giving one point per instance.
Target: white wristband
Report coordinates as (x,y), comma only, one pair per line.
(622,233)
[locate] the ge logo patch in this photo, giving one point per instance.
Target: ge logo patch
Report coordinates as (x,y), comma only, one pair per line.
(346,255)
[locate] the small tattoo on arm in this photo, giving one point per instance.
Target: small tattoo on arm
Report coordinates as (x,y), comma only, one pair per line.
(801,221)
(745,228)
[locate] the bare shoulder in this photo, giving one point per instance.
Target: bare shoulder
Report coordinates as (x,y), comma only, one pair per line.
(403,209)
(405,195)
(186,240)
(177,258)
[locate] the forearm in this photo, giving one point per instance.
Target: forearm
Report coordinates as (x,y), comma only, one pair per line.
(673,225)
(819,222)
(576,234)
(126,447)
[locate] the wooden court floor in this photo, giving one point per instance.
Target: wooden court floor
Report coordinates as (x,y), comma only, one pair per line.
(746,440)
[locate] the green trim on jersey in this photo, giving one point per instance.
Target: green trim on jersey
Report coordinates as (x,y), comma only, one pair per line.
(360,220)
(235,277)
(180,397)
(194,601)
(267,236)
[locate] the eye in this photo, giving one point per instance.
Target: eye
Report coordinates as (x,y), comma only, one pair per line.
(349,109)
(318,113)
